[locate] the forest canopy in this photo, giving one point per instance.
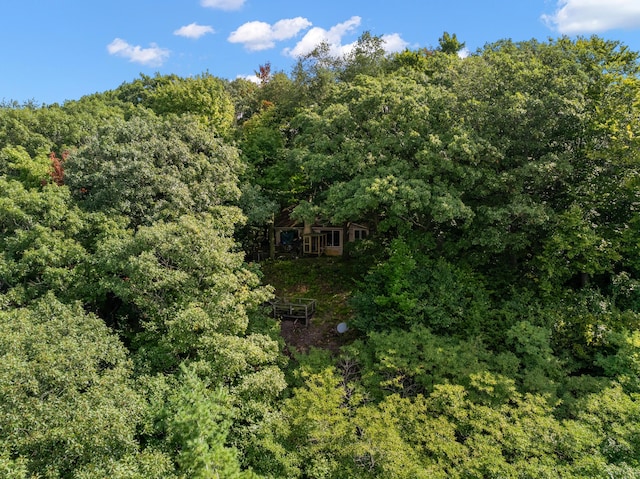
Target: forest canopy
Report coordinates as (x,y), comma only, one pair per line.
(495,304)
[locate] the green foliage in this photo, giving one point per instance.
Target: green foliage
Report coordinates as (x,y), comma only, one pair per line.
(17,130)
(183,295)
(54,127)
(39,225)
(574,248)
(185,281)
(152,252)
(614,417)
(196,421)
(243,94)
(494,155)
(412,362)
(539,370)
(582,324)
(408,288)
(149,169)
(413,60)
(330,427)
(148,464)
(624,365)
(367,57)
(282,93)
(203,96)
(449,43)
(66,390)
(318,417)
(268,166)
(370,152)
(499,312)
(442,408)
(16,163)
(262,141)
(12,468)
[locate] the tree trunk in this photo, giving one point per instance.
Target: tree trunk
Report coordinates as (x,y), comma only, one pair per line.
(272,238)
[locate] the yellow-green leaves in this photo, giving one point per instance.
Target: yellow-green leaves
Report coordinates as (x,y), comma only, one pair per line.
(67,397)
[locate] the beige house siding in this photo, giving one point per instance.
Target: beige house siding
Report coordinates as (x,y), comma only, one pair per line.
(291,238)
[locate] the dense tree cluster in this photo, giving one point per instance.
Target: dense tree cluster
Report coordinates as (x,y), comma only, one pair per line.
(132,339)
(498,315)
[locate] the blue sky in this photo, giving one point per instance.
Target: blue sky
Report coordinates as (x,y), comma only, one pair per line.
(57,50)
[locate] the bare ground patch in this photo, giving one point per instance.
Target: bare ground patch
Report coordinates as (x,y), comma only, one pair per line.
(328,282)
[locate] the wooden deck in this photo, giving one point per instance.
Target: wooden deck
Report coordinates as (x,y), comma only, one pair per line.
(296,309)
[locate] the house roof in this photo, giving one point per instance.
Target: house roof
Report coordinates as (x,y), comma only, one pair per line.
(284,220)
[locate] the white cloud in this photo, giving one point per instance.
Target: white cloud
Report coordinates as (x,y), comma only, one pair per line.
(312,39)
(193,30)
(252,78)
(257,36)
(593,16)
(333,37)
(152,56)
(394,43)
(223,4)
(289,27)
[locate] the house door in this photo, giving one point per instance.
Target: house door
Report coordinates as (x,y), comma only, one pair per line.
(313,244)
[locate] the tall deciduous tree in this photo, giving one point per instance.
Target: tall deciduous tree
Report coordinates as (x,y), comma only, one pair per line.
(378,153)
(67,393)
(203,96)
(149,168)
(40,229)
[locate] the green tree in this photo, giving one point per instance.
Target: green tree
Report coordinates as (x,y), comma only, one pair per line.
(614,417)
(180,292)
(149,168)
(367,57)
(195,420)
(186,284)
(624,364)
(18,128)
(56,127)
(66,389)
(243,93)
(332,426)
(203,96)
(39,229)
(408,363)
(450,44)
(372,155)
(409,288)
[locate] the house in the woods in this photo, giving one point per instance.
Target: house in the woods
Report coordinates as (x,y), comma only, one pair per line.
(315,239)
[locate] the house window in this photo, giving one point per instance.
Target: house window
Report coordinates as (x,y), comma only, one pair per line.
(333,237)
(359,234)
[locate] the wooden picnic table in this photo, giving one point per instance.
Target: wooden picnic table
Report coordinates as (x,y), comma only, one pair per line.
(296,309)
